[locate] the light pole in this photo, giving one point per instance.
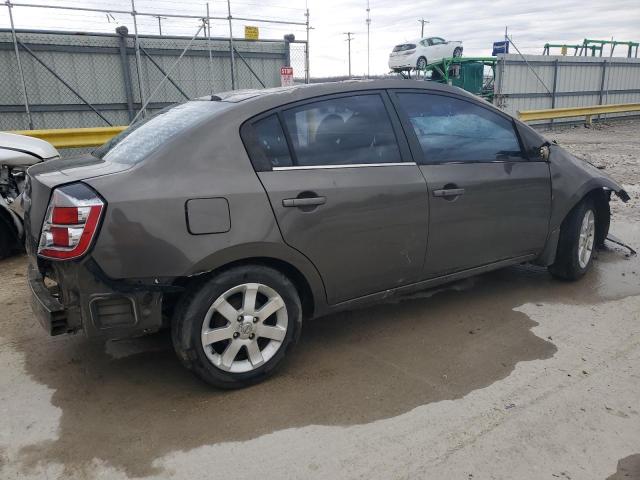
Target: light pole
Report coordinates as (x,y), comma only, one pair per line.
(368,54)
(422,22)
(349,37)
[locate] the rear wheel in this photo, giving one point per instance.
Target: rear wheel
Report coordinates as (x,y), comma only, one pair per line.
(421,64)
(457,52)
(577,243)
(235,329)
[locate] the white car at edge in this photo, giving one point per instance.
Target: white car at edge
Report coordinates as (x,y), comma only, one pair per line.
(417,54)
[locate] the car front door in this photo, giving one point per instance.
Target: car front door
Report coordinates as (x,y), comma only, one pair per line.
(488,201)
(345,191)
(437,49)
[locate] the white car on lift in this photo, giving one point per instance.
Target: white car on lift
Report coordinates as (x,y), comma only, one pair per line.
(17,153)
(417,54)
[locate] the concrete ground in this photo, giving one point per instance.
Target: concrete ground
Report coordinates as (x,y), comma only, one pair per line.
(510,375)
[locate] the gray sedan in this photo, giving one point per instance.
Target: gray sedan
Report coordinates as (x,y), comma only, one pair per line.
(232,218)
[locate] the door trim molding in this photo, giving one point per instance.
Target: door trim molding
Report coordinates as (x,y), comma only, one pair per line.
(355,165)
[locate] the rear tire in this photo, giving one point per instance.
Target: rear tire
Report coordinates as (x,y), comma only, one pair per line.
(421,64)
(220,334)
(457,52)
(577,242)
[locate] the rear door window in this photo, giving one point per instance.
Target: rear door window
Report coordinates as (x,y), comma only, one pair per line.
(342,131)
(272,142)
(454,130)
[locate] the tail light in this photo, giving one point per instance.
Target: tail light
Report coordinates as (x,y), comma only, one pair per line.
(71,222)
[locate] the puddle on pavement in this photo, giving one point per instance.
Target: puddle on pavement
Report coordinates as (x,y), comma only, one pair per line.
(628,468)
(350,368)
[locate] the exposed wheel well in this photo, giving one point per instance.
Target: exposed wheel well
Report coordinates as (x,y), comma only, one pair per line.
(296,277)
(10,234)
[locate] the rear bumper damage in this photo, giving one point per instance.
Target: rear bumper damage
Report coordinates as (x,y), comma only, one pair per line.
(70,297)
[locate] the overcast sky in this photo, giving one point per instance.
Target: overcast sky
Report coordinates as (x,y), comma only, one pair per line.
(477,24)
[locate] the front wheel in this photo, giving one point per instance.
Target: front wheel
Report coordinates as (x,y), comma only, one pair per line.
(235,329)
(577,243)
(457,52)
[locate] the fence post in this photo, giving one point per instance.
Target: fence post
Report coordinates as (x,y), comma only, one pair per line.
(499,68)
(307,76)
(287,50)
(138,60)
(233,62)
(555,86)
(126,73)
(209,48)
(602,78)
(20,71)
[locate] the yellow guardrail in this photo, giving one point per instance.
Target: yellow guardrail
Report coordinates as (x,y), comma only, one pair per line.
(74,137)
(94,137)
(587,112)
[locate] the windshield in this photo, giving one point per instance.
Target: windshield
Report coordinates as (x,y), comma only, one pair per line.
(139,140)
(404,47)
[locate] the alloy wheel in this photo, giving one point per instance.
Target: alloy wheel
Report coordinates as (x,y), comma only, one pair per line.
(587,238)
(244,327)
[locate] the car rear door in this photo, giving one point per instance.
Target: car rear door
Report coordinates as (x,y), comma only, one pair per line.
(488,201)
(345,191)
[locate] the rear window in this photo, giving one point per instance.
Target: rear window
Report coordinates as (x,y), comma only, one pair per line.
(139,140)
(403,47)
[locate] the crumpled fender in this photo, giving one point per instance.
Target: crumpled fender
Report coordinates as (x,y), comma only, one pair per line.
(571,179)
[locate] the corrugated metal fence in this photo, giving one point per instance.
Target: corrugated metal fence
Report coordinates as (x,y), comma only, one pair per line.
(68,74)
(532,82)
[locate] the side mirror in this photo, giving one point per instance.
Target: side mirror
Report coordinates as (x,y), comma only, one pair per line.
(544,153)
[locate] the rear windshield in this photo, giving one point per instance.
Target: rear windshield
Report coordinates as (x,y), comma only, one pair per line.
(139,140)
(403,47)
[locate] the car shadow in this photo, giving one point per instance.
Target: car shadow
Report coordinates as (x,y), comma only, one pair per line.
(628,468)
(132,402)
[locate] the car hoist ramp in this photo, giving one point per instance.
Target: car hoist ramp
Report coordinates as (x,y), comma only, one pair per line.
(74,137)
(587,112)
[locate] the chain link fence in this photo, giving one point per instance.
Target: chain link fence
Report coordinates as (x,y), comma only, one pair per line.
(82,79)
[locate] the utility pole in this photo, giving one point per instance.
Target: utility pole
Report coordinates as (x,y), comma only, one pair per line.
(349,38)
(422,22)
(368,51)
(160,18)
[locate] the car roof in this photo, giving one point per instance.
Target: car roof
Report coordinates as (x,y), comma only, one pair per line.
(328,88)
(249,103)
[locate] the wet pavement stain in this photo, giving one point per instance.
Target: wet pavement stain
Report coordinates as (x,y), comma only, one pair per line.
(628,468)
(349,368)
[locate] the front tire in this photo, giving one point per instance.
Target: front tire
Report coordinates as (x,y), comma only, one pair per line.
(236,328)
(457,52)
(577,243)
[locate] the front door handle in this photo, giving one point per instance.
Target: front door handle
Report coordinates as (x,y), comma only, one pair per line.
(304,201)
(448,192)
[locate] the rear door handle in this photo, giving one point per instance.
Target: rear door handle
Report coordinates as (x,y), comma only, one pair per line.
(448,192)
(304,202)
